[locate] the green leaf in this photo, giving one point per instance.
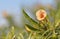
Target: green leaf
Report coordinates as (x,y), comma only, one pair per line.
(31,28)
(10,34)
(19,36)
(34,23)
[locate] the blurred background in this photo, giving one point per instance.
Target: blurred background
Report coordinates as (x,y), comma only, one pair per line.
(14,8)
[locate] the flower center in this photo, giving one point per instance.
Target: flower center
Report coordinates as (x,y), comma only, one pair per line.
(41,14)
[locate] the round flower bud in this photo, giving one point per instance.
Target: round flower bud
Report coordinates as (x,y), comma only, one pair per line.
(40,14)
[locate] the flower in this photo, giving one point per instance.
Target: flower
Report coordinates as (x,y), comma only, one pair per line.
(5,13)
(41,14)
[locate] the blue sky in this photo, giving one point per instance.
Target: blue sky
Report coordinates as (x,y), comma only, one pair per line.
(9,5)
(15,6)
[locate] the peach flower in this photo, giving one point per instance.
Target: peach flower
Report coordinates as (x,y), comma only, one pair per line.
(5,13)
(41,14)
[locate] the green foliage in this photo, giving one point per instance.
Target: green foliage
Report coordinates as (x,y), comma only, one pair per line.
(46,29)
(33,23)
(32,28)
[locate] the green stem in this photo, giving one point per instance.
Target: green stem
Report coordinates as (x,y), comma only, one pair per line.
(44,34)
